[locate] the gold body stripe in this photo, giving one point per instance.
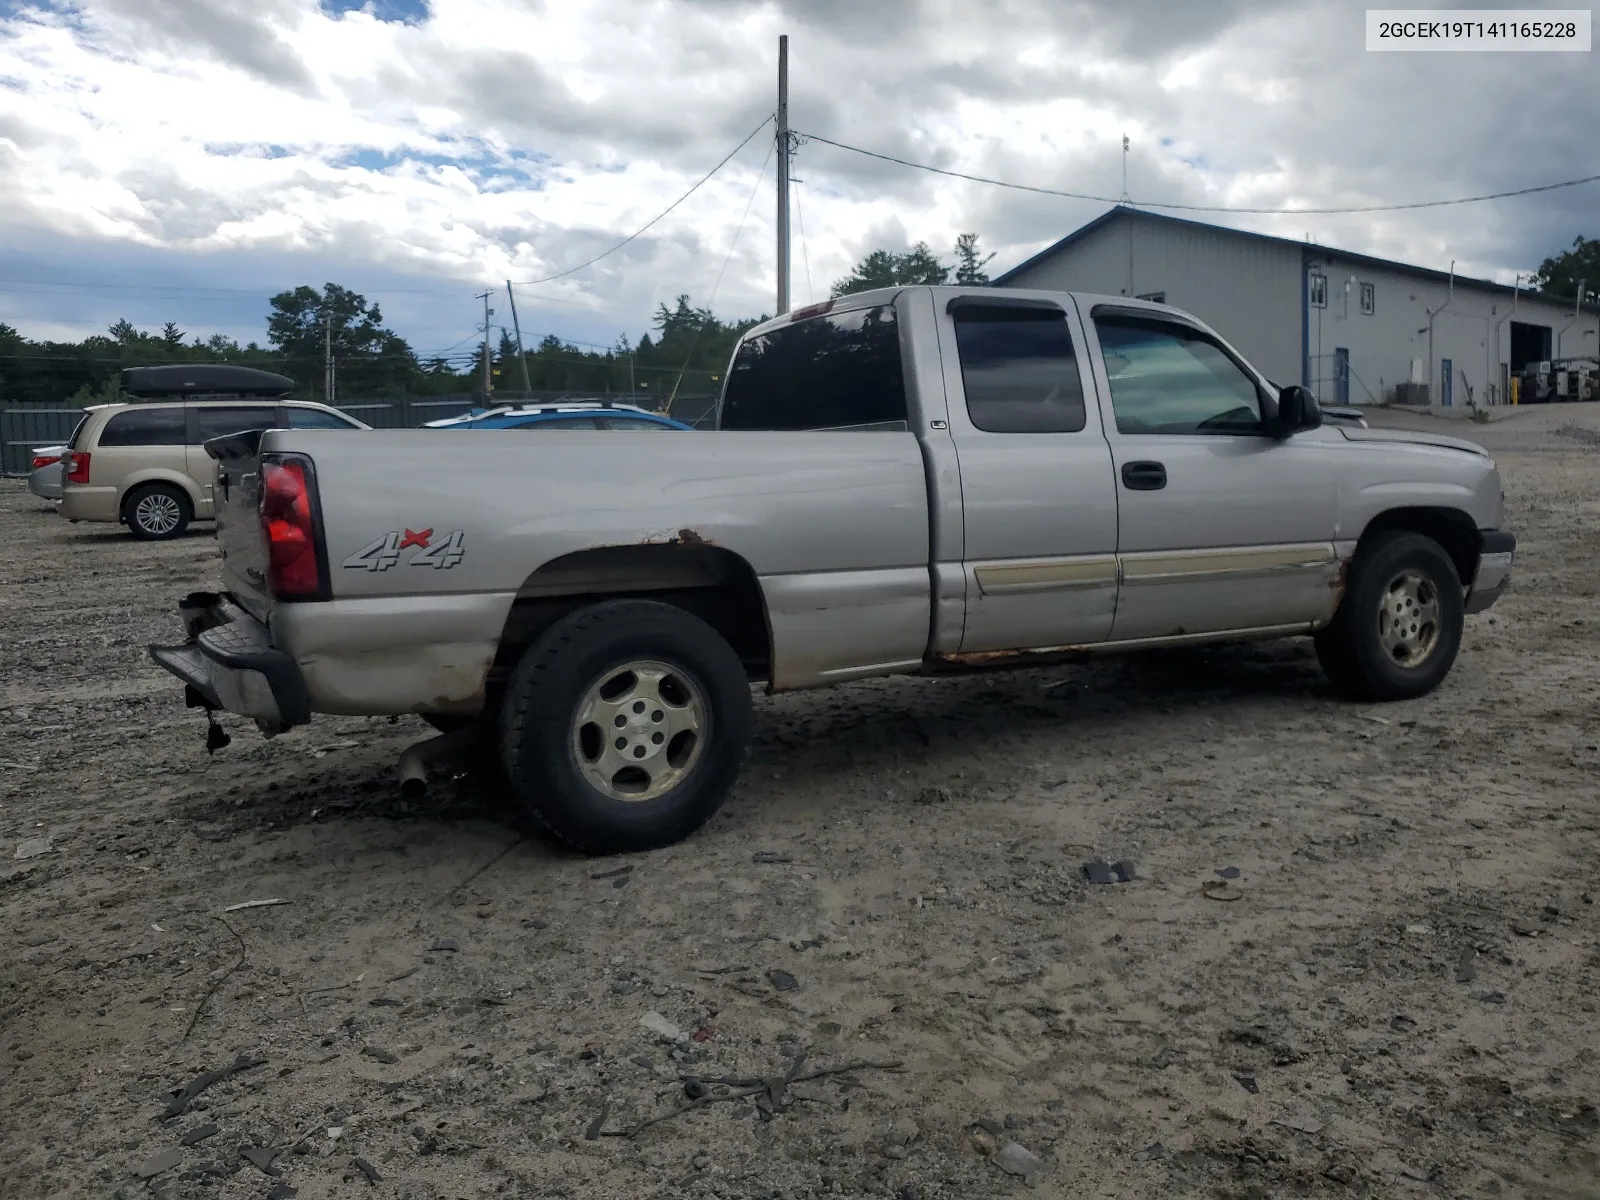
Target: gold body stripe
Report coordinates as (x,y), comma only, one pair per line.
(1047,575)
(1147,567)
(1175,565)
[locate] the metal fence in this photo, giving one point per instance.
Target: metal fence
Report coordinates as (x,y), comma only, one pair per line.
(25,425)
(407,412)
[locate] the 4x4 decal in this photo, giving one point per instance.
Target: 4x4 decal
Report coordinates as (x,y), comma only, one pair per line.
(380,555)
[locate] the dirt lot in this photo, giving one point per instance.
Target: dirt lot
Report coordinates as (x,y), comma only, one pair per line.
(905,856)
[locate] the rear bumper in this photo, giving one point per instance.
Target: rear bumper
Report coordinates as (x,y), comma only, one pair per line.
(45,482)
(1495,556)
(83,502)
(230,662)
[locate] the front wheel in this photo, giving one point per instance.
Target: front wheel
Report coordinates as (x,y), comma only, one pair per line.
(1398,629)
(157,512)
(624,725)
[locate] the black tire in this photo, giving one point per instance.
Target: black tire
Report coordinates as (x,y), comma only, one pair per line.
(541,741)
(1352,649)
(157,512)
(448,724)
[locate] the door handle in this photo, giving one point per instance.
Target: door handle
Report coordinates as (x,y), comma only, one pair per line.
(1144,476)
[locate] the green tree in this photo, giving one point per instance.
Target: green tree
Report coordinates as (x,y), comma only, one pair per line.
(503,372)
(368,358)
(879,269)
(969,266)
(172,336)
(1561,274)
(921,265)
(679,329)
(124,334)
(107,392)
(884,268)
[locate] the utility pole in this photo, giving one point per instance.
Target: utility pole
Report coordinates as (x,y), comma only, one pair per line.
(783,174)
(516,326)
(1128,200)
(327,356)
(487,313)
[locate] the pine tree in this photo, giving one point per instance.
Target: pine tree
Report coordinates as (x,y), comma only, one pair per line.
(969,267)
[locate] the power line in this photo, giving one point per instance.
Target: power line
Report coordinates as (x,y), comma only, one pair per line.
(161,359)
(1044,191)
(654,219)
(451,347)
(805,253)
(267,290)
(570,341)
(728,258)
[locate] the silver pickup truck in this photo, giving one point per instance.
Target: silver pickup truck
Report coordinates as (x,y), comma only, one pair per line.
(916,480)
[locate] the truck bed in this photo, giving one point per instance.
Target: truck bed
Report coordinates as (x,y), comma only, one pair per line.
(431,536)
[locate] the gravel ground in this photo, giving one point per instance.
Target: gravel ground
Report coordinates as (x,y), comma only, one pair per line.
(448,1008)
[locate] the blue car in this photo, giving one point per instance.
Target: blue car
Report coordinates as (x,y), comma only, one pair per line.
(570,415)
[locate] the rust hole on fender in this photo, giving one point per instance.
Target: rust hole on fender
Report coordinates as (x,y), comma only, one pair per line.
(1341,579)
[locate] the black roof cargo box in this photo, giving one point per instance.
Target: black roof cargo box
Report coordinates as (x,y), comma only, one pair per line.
(203,379)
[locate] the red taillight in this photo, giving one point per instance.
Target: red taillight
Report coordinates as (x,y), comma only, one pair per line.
(44,460)
(78,467)
(290,530)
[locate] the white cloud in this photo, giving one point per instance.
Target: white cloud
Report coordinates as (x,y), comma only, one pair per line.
(488,139)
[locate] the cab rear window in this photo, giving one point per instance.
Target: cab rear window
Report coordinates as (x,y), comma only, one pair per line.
(826,372)
(144,427)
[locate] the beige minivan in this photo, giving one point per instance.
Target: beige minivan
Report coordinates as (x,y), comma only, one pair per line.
(143,464)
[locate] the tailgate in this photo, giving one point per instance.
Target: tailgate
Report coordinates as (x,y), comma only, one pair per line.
(239,537)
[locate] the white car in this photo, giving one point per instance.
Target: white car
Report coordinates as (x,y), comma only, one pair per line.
(44,477)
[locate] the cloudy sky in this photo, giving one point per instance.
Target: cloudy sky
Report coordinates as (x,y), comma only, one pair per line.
(182,159)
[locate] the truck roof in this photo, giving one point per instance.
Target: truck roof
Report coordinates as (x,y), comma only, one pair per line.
(876,296)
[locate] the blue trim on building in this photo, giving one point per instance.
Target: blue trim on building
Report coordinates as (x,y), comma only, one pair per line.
(1305,318)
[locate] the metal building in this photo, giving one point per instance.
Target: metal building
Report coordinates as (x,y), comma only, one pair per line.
(1354,328)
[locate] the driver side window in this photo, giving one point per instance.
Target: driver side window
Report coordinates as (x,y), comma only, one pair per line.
(1168,378)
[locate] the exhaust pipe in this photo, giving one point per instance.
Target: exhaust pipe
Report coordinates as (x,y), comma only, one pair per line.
(413,765)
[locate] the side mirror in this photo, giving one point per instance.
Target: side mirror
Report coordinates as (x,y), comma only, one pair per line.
(1297,409)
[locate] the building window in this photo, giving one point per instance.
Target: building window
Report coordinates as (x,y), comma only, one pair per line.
(1319,291)
(1153,297)
(1369,299)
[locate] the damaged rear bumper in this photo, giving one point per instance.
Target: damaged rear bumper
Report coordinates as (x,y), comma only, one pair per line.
(1495,555)
(230,663)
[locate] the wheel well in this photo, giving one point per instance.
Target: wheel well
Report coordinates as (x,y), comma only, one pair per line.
(714,584)
(1450,527)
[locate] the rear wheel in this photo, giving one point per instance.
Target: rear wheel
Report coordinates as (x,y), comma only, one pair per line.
(624,726)
(1398,629)
(157,511)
